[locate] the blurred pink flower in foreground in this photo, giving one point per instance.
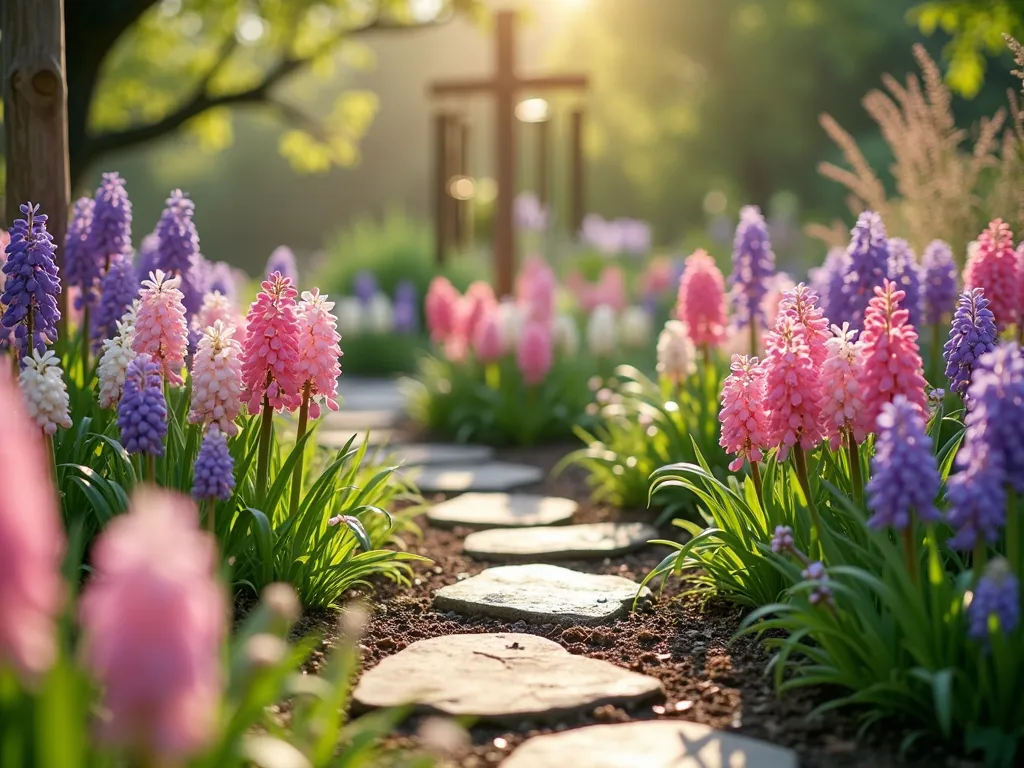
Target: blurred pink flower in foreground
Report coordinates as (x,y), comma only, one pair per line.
(489,342)
(535,289)
(270,351)
(31,543)
(153,619)
(440,306)
(478,301)
(702,300)
(535,354)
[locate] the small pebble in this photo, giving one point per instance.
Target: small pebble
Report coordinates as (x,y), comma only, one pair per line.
(500,743)
(683,706)
(658,709)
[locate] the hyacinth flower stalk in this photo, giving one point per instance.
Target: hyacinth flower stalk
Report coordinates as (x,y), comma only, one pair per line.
(865,268)
(992,266)
(744,422)
(216,379)
(45,393)
(160,327)
(319,366)
(701,302)
(81,269)
(142,411)
(213,476)
(972,334)
(938,294)
(753,266)
(842,402)
(271,379)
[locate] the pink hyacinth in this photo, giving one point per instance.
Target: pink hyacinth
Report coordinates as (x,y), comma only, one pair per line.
(478,301)
(842,403)
(1020,285)
(160,327)
(217,379)
(535,289)
(216,306)
(319,351)
(153,620)
(489,341)
(992,266)
(792,389)
(440,306)
(702,300)
(892,359)
(31,543)
(743,417)
(777,287)
(270,353)
(535,355)
(801,303)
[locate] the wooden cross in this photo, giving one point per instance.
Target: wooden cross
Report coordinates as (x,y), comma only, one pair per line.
(505,86)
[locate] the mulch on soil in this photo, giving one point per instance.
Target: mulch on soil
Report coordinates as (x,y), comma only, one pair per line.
(709,677)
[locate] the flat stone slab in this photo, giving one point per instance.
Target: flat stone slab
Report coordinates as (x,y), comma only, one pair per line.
(501,510)
(542,594)
(431,454)
(561,542)
(499,678)
(655,744)
(360,421)
(336,439)
(369,394)
(488,476)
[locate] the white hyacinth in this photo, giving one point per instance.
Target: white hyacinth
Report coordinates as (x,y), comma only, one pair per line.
(567,335)
(635,327)
(381,314)
(602,331)
(44,391)
(350,316)
(115,358)
(512,320)
(676,353)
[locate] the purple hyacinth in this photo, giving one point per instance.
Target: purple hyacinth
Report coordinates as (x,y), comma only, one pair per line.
(827,280)
(635,236)
(865,267)
(782,540)
(283,260)
(904,473)
(178,251)
(118,289)
(529,214)
(31,282)
(903,271)
(222,280)
(972,334)
(821,592)
(142,412)
(214,471)
(81,269)
(110,235)
(753,265)
(977,503)
(365,286)
(407,310)
(147,255)
(998,595)
(938,281)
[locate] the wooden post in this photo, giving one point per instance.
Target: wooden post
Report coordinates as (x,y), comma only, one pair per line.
(441,196)
(36,115)
(543,150)
(464,227)
(576,180)
(505,139)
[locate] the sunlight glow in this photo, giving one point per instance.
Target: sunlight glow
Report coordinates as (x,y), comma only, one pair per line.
(251,28)
(532,111)
(425,10)
(462,188)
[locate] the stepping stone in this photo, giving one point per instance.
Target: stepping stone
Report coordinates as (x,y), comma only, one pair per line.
(499,678)
(541,594)
(653,744)
(336,439)
(501,510)
(360,421)
(561,542)
(359,394)
(423,454)
(491,476)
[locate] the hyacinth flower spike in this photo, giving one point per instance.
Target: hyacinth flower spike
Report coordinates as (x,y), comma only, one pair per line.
(743,417)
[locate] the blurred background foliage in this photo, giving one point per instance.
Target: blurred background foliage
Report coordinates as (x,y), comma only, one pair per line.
(289,120)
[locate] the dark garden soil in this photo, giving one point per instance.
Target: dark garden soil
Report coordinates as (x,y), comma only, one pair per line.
(686,643)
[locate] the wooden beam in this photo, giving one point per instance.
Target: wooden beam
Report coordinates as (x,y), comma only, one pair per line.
(553,82)
(463,87)
(440,191)
(463,208)
(505,140)
(576,180)
(543,182)
(36,115)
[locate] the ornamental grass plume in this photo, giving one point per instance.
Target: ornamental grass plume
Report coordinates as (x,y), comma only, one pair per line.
(995,606)
(82,270)
(489,342)
(118,290)
(842,401)
(31,544)
(177,251)
(701,303)
(270,353)
(44,391)
(904,473)
(535,354)
(904,271)
(993,267)
(801,303)
(31,283)
(440,307)
(282,259)
(938,282)
(213,475)
(677,357)
(160,327)
(972,334)
(110,235)
(865,268)
(115,358)
(743,417)
(892,361)
(793,396)
(217,379)
(753,265)
(602,331)
(319,348)
(154,618)
(142,411)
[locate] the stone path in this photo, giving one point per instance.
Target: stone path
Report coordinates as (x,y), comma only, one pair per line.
(492,476)
(541,594)
(559,542)
(664,744)
(501,510)
(503,678)
(430,454)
